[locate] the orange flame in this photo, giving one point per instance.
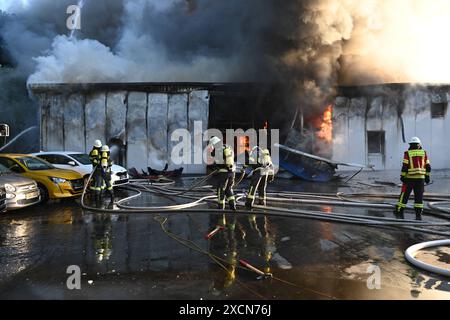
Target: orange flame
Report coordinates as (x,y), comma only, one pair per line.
(243,144)
(326,127)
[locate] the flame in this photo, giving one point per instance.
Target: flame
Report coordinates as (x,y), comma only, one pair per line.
(243,144)
(326,127)
(266,125)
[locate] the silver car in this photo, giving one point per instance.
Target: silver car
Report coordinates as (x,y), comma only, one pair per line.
(20,192)
(2,199)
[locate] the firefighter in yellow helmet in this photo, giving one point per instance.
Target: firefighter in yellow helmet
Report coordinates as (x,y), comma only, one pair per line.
(261,163)
(415,173)
(97,180)
(106,165)
(225,165)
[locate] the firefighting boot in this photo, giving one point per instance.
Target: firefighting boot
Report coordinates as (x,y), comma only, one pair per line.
(399,213)
(419,214)
(232,204)
(249,204)
(111,195)
(98,199)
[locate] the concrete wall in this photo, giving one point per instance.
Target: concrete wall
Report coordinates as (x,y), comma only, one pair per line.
(143,120)
(354,115)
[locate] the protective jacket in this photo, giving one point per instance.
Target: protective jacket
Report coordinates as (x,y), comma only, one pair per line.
(226,163)
(416,164)
(95,156)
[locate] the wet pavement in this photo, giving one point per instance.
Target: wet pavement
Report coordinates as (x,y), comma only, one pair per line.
(130,256)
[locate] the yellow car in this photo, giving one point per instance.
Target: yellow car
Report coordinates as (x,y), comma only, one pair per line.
(53,183)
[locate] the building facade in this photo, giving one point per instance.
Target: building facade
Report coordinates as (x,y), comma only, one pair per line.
(141,117)
(373,124)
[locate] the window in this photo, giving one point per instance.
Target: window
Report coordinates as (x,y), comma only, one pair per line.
(47,157)
(4,170)
(81,158)
(375,141)
(438,110)
(35,164)
(11,165)
(55,159)
(60,159)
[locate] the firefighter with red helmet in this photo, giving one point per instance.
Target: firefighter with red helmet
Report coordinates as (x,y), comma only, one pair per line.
(415,173)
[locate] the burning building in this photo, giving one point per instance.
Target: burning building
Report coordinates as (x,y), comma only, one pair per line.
(373,124)
(369,125)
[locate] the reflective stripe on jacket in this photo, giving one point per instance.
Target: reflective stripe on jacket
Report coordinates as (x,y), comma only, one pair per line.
(416,164)
(228,164)
(95,157)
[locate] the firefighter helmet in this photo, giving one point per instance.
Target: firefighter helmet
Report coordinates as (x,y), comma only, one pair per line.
(415,140)
(105,149)
(213,141)
(98,144)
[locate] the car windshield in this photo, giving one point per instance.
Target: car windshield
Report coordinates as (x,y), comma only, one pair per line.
(81,158)
(4,170)
(35,164)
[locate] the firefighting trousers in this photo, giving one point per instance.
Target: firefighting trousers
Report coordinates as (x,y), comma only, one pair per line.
(258,183)
(97,181)
(224,186)
(416,185)
(101,180)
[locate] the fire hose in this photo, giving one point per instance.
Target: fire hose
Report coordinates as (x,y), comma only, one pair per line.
(412,252)
(296,213)
(304,213)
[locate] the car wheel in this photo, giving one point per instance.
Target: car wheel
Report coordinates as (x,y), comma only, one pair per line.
(44,193)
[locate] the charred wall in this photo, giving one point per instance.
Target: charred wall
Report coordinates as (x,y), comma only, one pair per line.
(141,116)
(372,124)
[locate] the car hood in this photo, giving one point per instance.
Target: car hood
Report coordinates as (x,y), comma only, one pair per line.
(14,179)
(60,173)
(116,168)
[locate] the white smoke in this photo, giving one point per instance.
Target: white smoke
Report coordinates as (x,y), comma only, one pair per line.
(136,57)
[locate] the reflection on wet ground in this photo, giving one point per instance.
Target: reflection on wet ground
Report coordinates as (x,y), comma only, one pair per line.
(138,257)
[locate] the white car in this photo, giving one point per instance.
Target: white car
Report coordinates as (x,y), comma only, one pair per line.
(80,162)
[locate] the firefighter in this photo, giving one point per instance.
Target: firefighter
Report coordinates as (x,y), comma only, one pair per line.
(261,163)
(226,172)
(415,173)
(106,165)
(95,157)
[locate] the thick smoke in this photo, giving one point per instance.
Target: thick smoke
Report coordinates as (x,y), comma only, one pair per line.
(398,41)
(174,40)
(310,46)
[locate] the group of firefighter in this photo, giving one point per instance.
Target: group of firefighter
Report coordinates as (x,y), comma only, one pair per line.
(100,157)
(415,174)
(258,160)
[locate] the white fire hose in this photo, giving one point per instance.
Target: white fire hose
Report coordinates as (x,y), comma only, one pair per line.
(412,251)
